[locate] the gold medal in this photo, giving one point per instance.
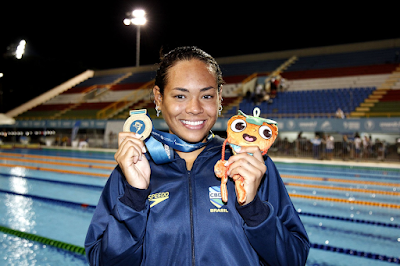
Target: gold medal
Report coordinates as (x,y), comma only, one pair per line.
(139,123)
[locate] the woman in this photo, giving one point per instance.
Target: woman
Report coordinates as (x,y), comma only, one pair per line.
(166,214)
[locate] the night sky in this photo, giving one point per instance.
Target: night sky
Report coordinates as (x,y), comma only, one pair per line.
(64,38)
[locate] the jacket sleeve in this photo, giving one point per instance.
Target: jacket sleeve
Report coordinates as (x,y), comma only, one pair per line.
(281,238)
(116,232)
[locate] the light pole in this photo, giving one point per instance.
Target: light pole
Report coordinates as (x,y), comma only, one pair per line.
(138,19)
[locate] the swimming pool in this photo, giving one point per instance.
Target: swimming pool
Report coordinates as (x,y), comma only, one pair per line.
(352,214)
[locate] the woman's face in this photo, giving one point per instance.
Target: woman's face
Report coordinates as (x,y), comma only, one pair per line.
(190,101)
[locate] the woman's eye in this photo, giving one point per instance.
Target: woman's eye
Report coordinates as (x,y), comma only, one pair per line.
(238,125)
(180,96)
(208,96)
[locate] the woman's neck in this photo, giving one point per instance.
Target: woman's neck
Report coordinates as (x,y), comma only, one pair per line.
(190,157)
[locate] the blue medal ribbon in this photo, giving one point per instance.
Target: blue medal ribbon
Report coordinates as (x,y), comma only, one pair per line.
(161,145)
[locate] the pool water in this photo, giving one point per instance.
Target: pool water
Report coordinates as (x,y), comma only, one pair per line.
(351,214)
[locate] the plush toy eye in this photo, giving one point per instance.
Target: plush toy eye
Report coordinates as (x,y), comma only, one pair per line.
(238,125)
(265,132)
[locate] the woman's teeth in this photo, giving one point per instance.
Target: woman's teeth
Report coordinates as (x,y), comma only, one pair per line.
(192,123)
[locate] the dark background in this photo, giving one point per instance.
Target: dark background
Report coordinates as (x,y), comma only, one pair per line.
(64,38)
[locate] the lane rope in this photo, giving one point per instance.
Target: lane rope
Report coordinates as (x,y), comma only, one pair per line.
(339,180)
(58,163)
(61,158)
(348,201)
(359,190)
(55,170)
(44,240)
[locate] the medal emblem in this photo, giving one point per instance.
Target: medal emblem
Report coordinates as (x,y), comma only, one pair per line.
(138,122)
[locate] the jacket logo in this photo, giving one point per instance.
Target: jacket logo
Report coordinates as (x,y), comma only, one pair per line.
(157,198)
(215,196)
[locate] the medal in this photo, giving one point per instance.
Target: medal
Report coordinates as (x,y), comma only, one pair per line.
(160,144)
(139,123)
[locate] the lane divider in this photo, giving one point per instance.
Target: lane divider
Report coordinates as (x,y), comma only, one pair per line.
(354,252)
(44,240)
(59,163)
(57,201)
(359,190)
(338,180)
(61,158)
(349,201)
(55,170)
(53,181)
(345,219)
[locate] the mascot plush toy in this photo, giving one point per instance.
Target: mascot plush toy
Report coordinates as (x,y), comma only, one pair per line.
(244,130)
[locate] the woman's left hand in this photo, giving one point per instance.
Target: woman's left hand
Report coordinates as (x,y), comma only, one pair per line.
(251,167)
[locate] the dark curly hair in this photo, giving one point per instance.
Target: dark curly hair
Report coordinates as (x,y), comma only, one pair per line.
(185,53)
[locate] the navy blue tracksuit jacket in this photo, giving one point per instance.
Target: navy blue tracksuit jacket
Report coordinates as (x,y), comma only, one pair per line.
(184,222)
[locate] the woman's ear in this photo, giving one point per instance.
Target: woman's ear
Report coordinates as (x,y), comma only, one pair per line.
(220,93)
(157,96)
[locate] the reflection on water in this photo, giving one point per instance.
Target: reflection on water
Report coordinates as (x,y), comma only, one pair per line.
(19,213)
(18,250)
(18,185)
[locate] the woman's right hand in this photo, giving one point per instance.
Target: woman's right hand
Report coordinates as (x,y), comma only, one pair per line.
(131,160)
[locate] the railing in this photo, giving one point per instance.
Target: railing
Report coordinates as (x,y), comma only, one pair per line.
(126,101)
(303,148)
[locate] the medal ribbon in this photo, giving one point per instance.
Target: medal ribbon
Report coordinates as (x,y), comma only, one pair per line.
(161,145)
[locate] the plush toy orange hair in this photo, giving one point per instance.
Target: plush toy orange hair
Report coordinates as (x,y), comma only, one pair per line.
(244,130)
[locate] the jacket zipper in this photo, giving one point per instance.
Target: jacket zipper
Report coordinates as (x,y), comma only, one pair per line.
(191,217)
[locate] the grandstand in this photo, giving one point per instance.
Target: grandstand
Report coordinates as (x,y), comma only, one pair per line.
(363,79)
(361,82)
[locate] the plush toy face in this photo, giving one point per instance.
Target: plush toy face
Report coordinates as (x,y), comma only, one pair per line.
(251,131)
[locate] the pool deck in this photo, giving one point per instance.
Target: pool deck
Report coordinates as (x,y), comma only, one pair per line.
(362,163)
(283,159)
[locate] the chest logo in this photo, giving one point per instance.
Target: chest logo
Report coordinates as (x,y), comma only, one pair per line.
(156,198)
(214,193)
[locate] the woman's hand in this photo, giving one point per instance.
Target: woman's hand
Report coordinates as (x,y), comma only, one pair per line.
(251,167)
(130,158)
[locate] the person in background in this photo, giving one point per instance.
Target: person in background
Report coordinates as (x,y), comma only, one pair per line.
(340,114)
(316,142)
(357,146)
(330,146)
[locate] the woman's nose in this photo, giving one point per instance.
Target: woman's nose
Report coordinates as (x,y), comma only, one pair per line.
(194,106)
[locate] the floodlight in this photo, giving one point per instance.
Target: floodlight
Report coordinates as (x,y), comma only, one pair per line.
(20,49)
(138,13)
(127,21)
(138,18)
(139,21)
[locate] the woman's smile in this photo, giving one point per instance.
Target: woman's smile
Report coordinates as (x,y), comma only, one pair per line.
(193,124)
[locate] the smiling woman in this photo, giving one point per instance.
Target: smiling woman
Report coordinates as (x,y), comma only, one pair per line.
(134,225)
(190,100)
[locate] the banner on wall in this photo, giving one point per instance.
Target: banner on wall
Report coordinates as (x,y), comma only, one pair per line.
(59,124)
(372,125)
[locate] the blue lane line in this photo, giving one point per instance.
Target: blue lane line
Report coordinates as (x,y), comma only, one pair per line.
(63,202)
(53,181)
(331,217)
(353,252)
